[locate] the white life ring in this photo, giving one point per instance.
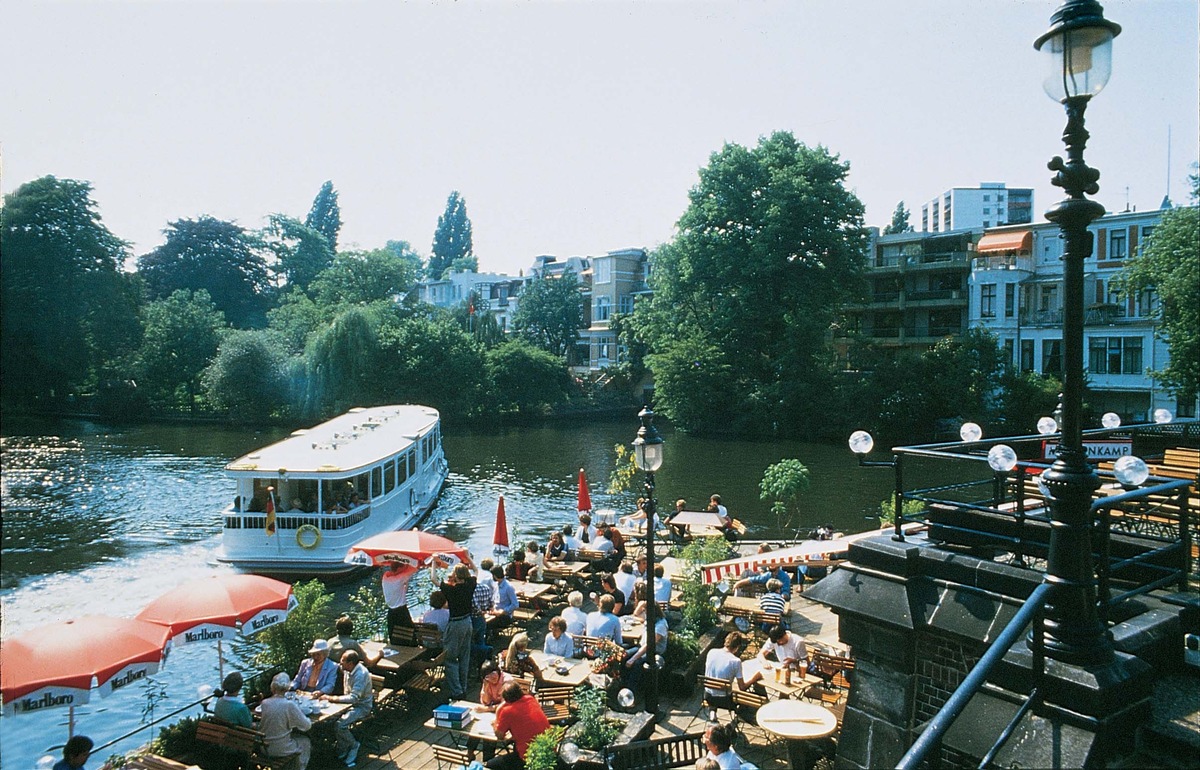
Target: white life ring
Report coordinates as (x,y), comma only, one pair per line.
(308,537)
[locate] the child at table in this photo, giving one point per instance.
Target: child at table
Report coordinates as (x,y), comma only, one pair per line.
(558,642)
(517,661)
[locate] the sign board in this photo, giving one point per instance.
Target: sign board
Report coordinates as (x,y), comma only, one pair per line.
(1097,450)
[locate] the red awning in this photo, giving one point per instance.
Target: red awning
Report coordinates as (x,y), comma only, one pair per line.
(1013,240)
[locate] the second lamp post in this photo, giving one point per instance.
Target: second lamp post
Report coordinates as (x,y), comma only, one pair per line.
(648,456)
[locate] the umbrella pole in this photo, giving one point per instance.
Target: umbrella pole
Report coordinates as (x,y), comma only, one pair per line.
(71,723)
(220,662)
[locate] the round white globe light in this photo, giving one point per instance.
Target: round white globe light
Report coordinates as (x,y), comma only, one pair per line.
(1046,426)
(1131,471)
(1111,420)
(715,602)
(970,432)
(861,442)
(625,698)
(1163,416)
(1002,458)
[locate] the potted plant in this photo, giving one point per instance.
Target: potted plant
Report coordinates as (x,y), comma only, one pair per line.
(542,753)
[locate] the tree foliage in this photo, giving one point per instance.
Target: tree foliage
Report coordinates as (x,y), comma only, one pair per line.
(67,310)
(214,255)
(1169,264)
(181,335)
(248,377)
(770,247)
(301,251)
(550,312)
(325,216)
(526,379)
(342,361)
(452,240)
(783,483)
(363,278)
(899,222)
(432,360)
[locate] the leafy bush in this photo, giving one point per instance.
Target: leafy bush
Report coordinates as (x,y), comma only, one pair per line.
(698,613)
(286,644)
(682,649)
(542,753)
(177,739)
(887,510)
(594,730)
(368,610)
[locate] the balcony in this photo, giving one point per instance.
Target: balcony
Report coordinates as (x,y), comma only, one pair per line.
(1042,317)
(939,261)
(936,298)
(1104,314)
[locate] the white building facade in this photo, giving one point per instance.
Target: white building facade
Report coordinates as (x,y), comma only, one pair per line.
(991,204)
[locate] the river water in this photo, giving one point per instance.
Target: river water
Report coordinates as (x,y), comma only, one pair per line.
(102,519)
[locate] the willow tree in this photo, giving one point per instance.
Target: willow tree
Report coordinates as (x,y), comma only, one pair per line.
(341,362)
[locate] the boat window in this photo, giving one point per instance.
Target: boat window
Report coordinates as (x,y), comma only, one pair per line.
(389,476)
(376,481)
(412,463)
(402,468)
(306,494)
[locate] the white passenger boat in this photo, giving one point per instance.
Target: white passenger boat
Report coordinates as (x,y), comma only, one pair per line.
(325,488)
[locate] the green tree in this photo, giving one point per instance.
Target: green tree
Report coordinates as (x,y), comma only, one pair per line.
(407,254)
(770,247)
(341,362)
(452,240)
(248,377)
(783,483)
(295,318)
(1169,265)
(214,255)
(67,309)
(284,645)
(325,216)
(526,379)
(301,251)
(550,313)
(432,360)
(363,278)
(474,316)
(180,337)
(899,221)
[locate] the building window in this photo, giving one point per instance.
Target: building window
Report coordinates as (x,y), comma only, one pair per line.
(1049,297)
(1027,355)
(987,211)
(626,304)
(987,198)
(1010,352)
(1010,300)
(1116,244)
(603,308)
(1115,355)
(987,300)
(601,271)
(1052,357)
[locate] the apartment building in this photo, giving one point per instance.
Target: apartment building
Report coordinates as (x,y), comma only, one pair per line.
(991,204)
(497,293)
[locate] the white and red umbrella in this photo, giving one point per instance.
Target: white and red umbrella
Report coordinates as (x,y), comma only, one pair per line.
(585,498)
(215,608)
(407,546)
(60,664)
(500,534)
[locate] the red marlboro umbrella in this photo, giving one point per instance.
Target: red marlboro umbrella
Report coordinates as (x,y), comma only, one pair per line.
(500,536)
(59,664)
(407,546)
(585,499)
(212,608)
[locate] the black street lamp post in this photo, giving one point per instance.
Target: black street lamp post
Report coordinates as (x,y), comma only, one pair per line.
(648,455)
(1079,44)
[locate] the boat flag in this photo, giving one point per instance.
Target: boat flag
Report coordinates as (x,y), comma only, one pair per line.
(270,511)
(500,536)
(585,498)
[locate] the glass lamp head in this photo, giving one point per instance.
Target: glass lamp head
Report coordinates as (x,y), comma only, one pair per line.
(970,432)
(861,442)
(1001,458)
(1046,426)
(1111,420)
(1077,50)
(1131,471)
(1163,416)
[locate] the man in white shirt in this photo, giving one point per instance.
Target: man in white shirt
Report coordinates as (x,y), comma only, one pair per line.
(573,543)
(726,663)
(789,648)
(574,615)
(718,739)
(603,624)
(626,581)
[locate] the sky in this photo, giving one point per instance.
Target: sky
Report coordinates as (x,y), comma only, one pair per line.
(571,128)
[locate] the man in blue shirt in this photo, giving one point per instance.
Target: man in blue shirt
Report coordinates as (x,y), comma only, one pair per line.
(506,599)
(317,674)
(361,697)
(75,753)
(766,574)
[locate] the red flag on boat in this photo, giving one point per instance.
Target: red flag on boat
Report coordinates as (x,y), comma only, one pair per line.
(270,511)
(585,499)
(500,538)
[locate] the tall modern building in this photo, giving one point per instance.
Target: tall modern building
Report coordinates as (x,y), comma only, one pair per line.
(991,204)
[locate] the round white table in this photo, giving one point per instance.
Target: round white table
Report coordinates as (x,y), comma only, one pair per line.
(796,722)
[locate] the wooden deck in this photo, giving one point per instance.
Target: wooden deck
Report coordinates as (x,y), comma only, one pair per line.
(402,742)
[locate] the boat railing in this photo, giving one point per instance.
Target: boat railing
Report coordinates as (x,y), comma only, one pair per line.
(326,521)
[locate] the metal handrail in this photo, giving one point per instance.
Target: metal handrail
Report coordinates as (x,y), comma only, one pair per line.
(941,721)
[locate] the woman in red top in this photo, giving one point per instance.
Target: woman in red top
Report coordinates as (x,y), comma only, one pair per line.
(521,715)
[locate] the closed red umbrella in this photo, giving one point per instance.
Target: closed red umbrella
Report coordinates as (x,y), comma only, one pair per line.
(59,664)
(500,535)
(407,546)
(585,498)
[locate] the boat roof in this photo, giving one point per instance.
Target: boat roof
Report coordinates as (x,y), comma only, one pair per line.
(348,443)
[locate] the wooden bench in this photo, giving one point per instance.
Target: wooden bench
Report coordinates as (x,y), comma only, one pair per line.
(833,669)
(451,759)
(247,746)
(676,751)
(425,682)
(556,703)
(585,644)
(428,635)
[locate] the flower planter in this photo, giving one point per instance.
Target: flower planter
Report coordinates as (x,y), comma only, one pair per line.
(637,726)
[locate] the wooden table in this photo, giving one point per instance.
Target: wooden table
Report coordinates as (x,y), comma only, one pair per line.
(327,713)
(796,722)
(391,659)
(576,675)
(531,591)
(567,568)
(749,604)
(800,681)
(632,629)
(482,727)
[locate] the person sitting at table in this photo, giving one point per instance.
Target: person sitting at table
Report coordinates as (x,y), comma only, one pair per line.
(772,602)
(603,624)
(635,662)
(637,519)
(574,544)
(573,614)
(492,680)
(639,599)
(518,568)
(604,545)
(608,586)
(535,560)
(522,716)
(662,585)
(586,533)
(678,532)
(556,549)
(75,753)
(361,697)
(789,648)
(506,600)
(283,724)
(726,663)
(618,541)
(229,706)
(345,640)
(437,614)
(718,739)
(626,582)
(639,567)
(317,674)
(558,642)
(516,659)
(765,574)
